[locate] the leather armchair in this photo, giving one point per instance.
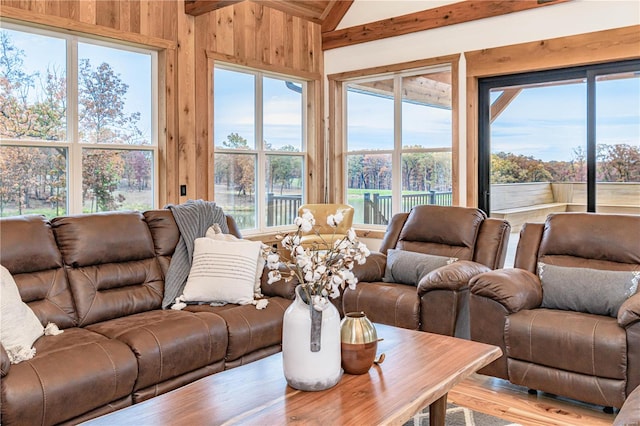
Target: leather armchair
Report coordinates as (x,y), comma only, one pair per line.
(584,356)
(439,302)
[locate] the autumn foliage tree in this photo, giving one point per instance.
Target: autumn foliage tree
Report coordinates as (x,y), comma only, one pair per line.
(34,106)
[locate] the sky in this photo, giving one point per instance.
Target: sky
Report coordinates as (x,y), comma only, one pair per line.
(133,68)
(547,123)
(234,110)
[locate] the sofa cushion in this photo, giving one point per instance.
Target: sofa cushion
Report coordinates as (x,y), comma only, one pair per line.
(72,373)
(30,253)
(111,264)
(407,267)
(20,326)
(168,343)
(583,343)
(386,303)
(249,329)
(586,290)
(223,271)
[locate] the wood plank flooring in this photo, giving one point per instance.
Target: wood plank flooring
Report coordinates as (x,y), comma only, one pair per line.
(500,398)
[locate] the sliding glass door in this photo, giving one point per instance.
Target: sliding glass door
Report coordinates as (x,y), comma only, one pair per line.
(560,140)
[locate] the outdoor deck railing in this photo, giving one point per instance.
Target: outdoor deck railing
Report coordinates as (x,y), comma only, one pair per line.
(282,209)
(378,208)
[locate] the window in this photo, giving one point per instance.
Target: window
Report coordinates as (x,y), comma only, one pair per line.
(78,124)
(259,139)
(398,142)
(561,140)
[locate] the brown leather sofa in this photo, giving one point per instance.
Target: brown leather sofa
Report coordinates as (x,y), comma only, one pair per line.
(439,303)
(584,356)
(99,277)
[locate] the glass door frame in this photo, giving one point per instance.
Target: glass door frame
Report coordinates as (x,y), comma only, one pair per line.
(589,73)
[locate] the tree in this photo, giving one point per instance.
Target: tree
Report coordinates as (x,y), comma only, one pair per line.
(240,168)
(102,99)
(101,173)
(23,113)
(101,95)
(283,168)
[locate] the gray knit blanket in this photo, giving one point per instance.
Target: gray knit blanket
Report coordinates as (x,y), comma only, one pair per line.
(193,219)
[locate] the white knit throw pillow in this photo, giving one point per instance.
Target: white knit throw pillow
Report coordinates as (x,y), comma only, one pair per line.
(214,232)
(222,271)
(19,327)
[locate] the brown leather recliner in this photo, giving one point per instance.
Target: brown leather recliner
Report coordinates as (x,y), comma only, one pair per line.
(584,356)
(438,303)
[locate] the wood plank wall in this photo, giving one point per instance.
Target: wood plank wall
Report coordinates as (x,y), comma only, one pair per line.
(246,34)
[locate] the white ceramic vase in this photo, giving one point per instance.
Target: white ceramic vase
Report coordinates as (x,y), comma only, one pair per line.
(304,368)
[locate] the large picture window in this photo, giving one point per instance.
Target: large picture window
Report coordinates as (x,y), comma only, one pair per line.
(560,141)
(260,145)
(398,143)
(77,128)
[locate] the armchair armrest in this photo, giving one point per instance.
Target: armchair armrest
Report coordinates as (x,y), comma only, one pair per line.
(629,311)
(454,276)
(282,288)
(373,269)
(5,364)
(515,289)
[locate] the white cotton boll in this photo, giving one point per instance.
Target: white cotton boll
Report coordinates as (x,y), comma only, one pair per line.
(331,221)
(338,217)
(320,303)
(274,276)
(351,235)
(306,226)
(308,216)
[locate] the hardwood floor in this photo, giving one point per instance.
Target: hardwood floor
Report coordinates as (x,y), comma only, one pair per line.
(500,398)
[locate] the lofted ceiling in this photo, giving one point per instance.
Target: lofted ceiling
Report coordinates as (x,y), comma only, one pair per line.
(327,13)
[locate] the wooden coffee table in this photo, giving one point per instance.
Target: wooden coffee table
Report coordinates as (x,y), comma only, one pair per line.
(419,369)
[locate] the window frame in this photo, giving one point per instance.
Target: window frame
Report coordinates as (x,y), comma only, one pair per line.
(72,143)
(588,73)
(258,151)
(338,127)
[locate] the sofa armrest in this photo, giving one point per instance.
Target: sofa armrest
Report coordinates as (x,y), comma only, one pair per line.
(454,276)
(373,269)
(281,288)
(629,311)
(630,412)
(5,364)
(515,289)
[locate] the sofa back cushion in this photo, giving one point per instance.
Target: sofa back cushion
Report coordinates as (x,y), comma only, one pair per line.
(441,231)
(30,253)
(590,240)
(165,234)
(111,264)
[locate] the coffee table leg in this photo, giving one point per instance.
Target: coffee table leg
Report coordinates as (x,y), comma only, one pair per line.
(438,411)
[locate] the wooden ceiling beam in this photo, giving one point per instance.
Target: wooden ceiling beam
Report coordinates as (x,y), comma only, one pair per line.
(334,13)
(449,14)
(420,89)
(503,101)
(200,7)
(302,9)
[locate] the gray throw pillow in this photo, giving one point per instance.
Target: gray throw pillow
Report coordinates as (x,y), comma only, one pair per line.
(593,291)
(408,267)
